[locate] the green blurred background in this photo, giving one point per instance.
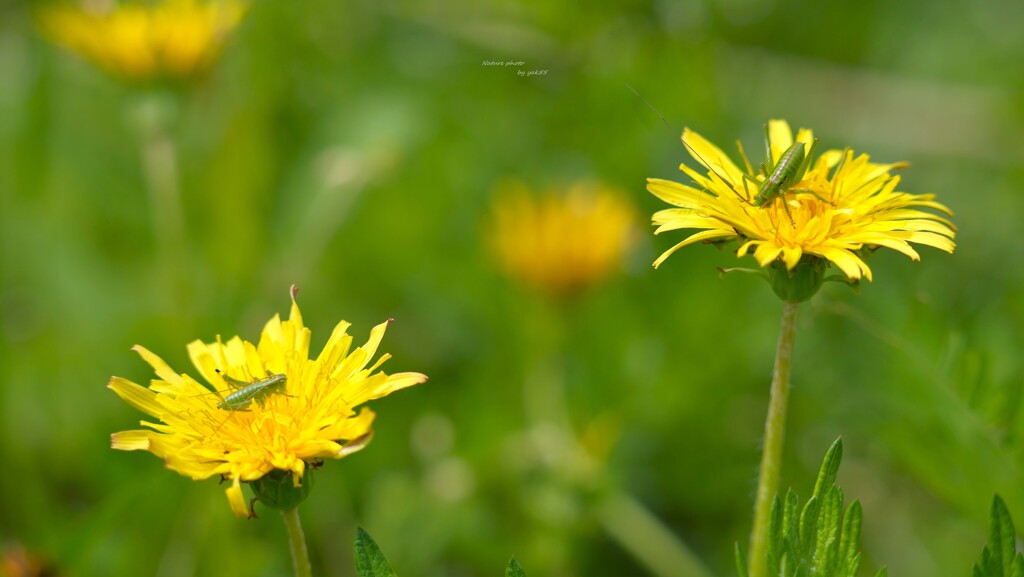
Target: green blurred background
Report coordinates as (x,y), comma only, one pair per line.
(352,148)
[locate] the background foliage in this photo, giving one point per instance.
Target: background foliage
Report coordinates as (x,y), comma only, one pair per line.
(352,148)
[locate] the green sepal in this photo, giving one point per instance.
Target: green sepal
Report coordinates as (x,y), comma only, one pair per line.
(754,271)
(799,284)
(853,283)
(277,489)
(514,569)
(370,561)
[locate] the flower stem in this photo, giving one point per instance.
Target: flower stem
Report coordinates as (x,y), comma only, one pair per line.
(774,433)
(300,556)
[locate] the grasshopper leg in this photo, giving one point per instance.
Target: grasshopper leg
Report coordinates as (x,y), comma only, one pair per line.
(812,193)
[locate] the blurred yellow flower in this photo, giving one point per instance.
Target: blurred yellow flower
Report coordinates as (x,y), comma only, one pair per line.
(166,40)
(839,215)
(559,243)
(202,434)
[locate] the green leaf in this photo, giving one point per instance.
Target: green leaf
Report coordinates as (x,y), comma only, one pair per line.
(851,566)
(819,539)
(829,468)
(883,572)
(809,525)
(370,561)
(826,542)
(790,515)
(1017,570)
(851,531)
(999,558)
(514,569)
(1001,536)
(989,567)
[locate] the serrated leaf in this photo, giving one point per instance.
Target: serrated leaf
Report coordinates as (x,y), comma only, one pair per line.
(851,530)
(999,557)
(1002,537)
(851,566)
(808,527)
(826,541)
(1017,570)
(790,515)
(785,568)
(988,567)
(809,521)
(818,539)
(514,569)
(370,561)
(829,468)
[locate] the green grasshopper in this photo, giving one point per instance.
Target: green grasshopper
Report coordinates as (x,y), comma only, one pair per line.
(779,178)
(258,391)
(246,393)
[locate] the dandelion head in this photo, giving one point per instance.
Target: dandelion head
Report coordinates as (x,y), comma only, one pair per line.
(169,40)
(269,410)
(834,210)
(560,242)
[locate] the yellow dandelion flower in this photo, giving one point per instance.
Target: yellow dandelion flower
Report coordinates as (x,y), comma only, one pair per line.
(167,40)
(838,211)
(306,413)
(559,243)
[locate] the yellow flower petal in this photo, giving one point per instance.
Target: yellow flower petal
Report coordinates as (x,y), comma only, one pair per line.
(159,366)
(791,256)
(700,236)
(712,157)
(236,499)
(780,137)
(139,397)
(675,193)
(130,440)
(169,39)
